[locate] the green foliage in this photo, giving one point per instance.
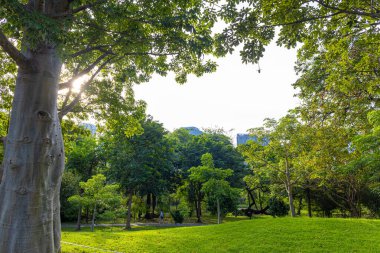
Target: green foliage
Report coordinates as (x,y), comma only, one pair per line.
(228,197)
(96,194)
(83,156)
(73,132)
(277,207)
(177,216)
(207,160)
(276,162)
(69,187)
(128,42)
(138,206)
(188,149)
(3,132)
(142,162)
(208,181)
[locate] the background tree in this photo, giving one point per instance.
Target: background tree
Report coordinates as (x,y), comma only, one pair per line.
(275,159)
(141,163)
(96,193)
(84,158)
(217,188)
(69,187)
(365,168)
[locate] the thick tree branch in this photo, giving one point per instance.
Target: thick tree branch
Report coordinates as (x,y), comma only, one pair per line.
(89,49)
(300,21)
(354,12)
(12,51)
(76,10)
(68,95)
(66,109)
(87,6)
(68,84)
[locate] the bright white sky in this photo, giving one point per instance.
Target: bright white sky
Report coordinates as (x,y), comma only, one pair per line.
(236,97)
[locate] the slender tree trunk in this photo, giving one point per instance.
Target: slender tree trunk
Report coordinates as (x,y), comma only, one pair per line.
(129,211)
(289,189)
(218,209)
(33,161)
(299,206)
(291,201)
(148,204)
(199,209)
(93,219)
(308,197)
(154,202)
(79,217)
(260,200)
(87,215)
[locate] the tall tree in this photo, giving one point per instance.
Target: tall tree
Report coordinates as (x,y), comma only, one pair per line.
(141,163)
(107,41)
(199,180)
(276,159)
(188,149)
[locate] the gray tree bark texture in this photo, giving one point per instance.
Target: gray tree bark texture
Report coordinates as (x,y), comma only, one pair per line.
(33,161)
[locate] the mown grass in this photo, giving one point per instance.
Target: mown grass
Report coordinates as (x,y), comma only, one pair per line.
(256,235)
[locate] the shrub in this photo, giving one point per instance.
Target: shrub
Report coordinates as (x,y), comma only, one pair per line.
(177,216)
(277,207)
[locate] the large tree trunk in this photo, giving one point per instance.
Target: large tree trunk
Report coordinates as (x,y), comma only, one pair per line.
(33,161)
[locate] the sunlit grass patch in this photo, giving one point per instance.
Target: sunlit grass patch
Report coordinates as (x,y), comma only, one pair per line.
(256,235)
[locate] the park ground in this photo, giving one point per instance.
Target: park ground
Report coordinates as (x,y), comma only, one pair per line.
(262,234)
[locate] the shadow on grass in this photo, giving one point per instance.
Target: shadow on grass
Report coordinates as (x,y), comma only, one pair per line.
(117,229)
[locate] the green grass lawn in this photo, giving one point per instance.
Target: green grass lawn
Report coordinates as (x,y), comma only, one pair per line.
(257,235)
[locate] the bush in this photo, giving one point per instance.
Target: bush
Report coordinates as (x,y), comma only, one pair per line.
(277,207)
(177,216)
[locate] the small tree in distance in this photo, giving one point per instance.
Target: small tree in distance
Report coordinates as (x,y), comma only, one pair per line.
(96,193)
(211,182)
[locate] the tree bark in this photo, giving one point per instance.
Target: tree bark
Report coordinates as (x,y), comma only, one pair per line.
(299,206)
(218,209)
(198,206)
(87,215)
(93,218)
(79,217)
(154,202)
(129,212)
(33,160)
(291,201)
(308,196)
(148,204)
(289,189)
